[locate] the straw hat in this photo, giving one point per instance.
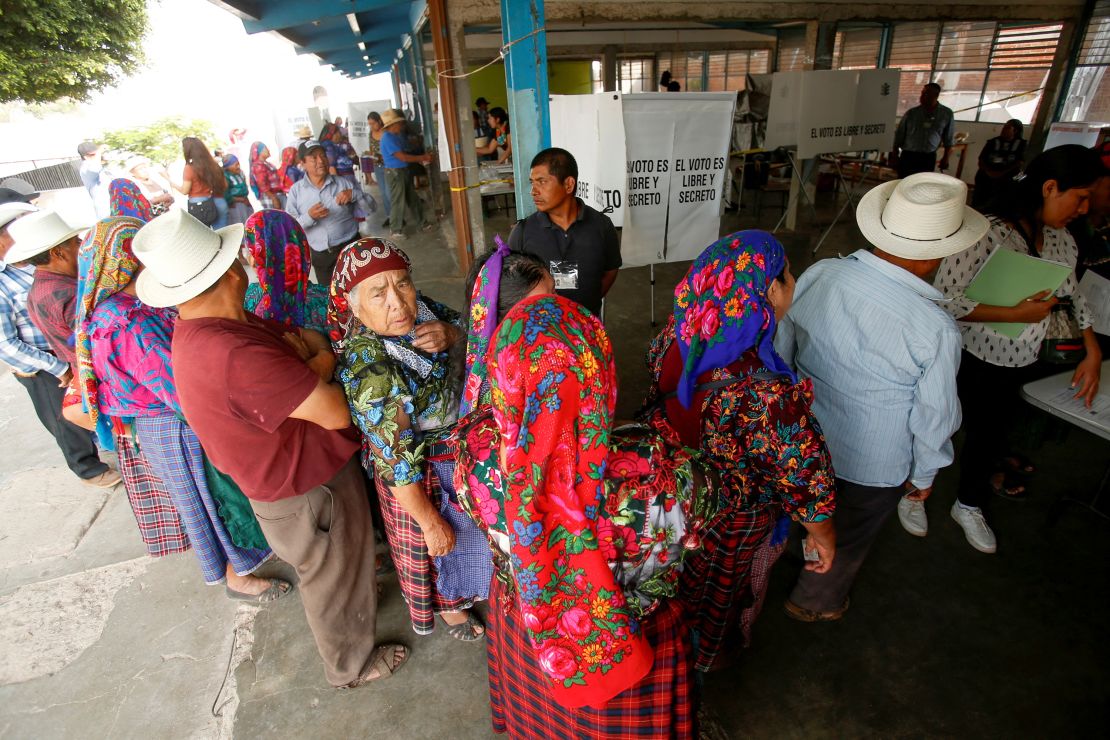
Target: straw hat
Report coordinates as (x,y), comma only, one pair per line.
(303,132)
(922,217)
(392,116)
(182,256)
(11,211)
(38,232)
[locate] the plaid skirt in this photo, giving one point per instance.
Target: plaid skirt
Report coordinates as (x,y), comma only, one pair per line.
(175,455)
(435,585)
(716,584)
(159,525)
(661,705)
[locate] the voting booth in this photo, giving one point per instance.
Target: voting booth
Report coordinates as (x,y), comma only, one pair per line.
(655,163)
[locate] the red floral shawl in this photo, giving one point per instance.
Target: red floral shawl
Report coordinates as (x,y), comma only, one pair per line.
(554,393)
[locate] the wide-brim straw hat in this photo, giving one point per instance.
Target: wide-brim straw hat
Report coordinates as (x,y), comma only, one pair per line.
(303,132)
(39,232)
(11,211)
(922,217)
(392,116)
(182,257)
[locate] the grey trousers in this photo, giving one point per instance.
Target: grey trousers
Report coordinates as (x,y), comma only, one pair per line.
(402,194)
(327,536)
(861,512)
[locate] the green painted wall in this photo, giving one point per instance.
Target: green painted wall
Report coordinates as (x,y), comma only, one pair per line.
(563,78)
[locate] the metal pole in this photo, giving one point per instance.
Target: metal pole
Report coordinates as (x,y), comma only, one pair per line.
(460,207)
(522,32)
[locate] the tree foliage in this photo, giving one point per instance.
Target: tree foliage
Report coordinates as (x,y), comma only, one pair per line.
(52,49)
(161,140)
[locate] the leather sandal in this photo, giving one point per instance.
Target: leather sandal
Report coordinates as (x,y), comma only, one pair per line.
(802,614)
(381,660)
(277,589)
(466,631)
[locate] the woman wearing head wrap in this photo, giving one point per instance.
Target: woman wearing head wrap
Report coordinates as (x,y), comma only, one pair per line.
(404,394)
(126,374)
(238,204)
(264,178)
(341,155)
(289,172)
(588,532)
(277,249)
(126,199)
(105,266)
(718,386)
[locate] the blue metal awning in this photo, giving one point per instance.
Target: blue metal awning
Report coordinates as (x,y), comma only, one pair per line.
(356,37)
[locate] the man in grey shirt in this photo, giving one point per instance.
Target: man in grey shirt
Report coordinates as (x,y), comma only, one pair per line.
(324,205)
(921,132)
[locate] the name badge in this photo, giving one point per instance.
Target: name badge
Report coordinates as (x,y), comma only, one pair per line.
(565,274)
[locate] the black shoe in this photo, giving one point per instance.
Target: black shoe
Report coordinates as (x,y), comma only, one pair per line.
(385,224)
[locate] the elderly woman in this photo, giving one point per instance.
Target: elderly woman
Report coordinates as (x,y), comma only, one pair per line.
(160,526)
(154,187)
(278,250)
(127,375)
(404,397)
(718,386)
(589,530)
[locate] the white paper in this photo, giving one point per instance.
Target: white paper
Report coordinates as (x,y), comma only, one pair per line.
(1096,290)
(1098,414)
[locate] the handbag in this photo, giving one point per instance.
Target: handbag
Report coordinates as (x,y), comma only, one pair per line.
(204,211)
(1063,342)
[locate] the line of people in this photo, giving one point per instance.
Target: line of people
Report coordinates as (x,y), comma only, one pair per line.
(618,560)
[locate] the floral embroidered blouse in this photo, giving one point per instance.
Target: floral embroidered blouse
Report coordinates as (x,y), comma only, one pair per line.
(759,433)
(398,407)
(131,357)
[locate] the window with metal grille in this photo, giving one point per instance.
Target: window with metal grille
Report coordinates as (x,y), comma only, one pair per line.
(791,52)
(857,48)
(1088,94)
(636,75)
(987,71)
(729,70)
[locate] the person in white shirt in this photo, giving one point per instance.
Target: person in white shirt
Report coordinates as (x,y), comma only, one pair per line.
(883,359)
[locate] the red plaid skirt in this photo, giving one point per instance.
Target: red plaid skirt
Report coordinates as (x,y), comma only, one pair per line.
(661,705)
(716,584)
(159,524)
(416,571)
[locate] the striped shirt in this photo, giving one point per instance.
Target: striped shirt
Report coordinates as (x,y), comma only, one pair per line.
(22,346)
(883,360)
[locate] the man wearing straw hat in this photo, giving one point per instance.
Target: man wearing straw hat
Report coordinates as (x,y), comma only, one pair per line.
(25,349)
(883,358)
(262,403)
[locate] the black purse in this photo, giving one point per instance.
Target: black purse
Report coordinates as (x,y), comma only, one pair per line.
(204,211)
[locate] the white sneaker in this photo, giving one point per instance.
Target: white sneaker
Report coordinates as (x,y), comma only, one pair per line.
(975,528)
(912,516)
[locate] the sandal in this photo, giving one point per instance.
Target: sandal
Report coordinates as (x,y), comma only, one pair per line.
(1009,489)
(381,660)
(466,631)
(1017,463)
(277,589)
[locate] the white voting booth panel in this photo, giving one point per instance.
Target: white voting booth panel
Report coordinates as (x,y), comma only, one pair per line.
(358,130)
(658,160)
(830,111)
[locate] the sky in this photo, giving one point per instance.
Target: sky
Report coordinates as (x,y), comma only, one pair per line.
(200,64)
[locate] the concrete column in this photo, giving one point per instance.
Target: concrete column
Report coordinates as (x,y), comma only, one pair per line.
(522,23)
(468,157)
(609,68)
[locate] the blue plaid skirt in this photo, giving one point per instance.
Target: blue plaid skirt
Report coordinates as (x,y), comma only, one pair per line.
(175,455)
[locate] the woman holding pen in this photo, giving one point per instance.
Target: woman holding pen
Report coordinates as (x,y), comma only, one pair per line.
(994,367)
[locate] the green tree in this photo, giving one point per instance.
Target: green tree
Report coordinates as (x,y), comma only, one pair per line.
(161,140)
(52,49)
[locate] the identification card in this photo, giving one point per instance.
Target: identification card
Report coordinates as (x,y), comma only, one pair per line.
(565,274)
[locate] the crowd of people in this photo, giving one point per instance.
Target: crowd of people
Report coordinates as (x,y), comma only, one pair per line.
(619,560)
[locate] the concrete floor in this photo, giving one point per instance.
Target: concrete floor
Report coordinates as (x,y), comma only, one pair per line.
(98,640)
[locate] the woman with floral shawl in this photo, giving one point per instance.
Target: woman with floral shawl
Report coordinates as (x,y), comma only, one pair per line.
(265,182)
(403,390)
(584,640)
(105,266)
(238,205)
(278,250)
(718,386)
(289,172)
(125,369)
(126,199)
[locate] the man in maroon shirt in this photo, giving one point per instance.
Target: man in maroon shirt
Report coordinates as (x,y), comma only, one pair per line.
(261,400)
(44,239)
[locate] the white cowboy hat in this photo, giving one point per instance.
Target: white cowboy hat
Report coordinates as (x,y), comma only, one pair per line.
(38,232)
(392,116)
(11,211)
(182,256)
(922,217)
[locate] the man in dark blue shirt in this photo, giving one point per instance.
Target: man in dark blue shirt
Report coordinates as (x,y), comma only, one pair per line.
(580,245)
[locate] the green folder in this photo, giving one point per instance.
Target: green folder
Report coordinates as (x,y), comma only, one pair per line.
(1007,278)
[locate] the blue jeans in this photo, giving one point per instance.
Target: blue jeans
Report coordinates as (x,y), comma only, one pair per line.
(221,210)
